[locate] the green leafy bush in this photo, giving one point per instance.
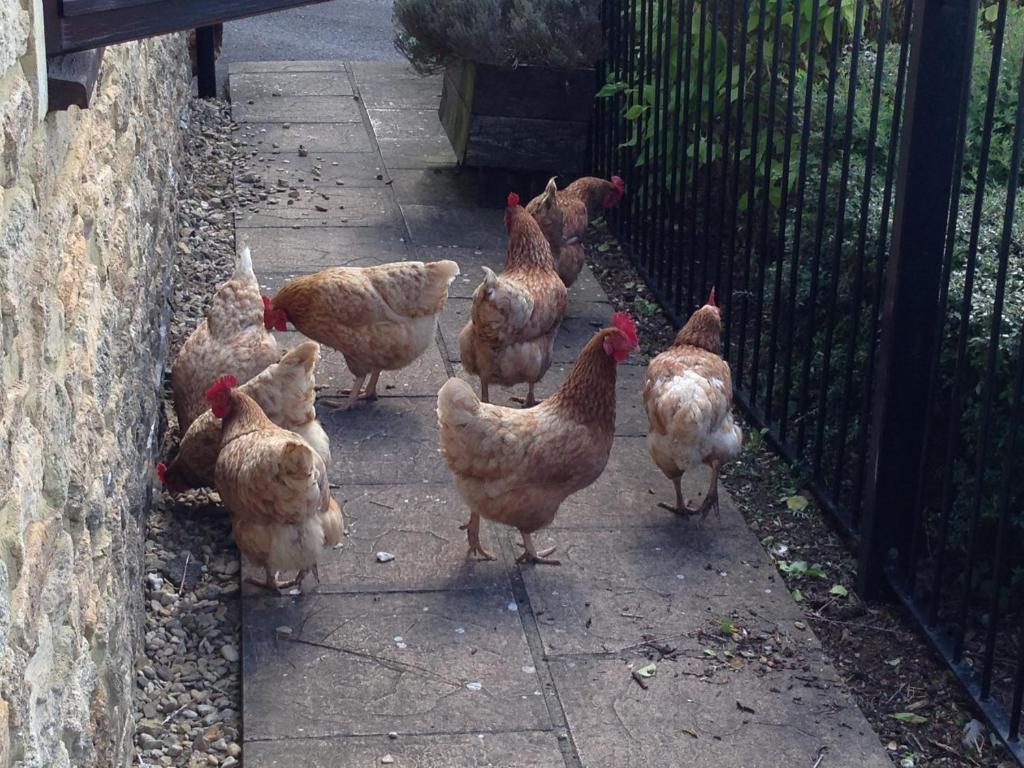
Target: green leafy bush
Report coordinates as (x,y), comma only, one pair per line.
(564,34)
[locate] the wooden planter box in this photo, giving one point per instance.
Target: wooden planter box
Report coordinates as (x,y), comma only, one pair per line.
(528,118)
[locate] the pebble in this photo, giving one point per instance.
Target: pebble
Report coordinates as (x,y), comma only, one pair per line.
(385,557)
(191,568)
(387,760)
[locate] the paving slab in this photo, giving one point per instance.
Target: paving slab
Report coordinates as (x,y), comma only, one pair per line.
(341,207)
(392,440)
(416,124)
(451,225)
(613,590)
(395,662)
(321,170)
(523,749)
(277,67)
(274,85)
(436,186)
(284,108)
(686,719)
(419,525)
(275,138)
(416,153)
(284,252)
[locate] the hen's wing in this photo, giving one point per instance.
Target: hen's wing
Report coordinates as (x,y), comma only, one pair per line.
(412,288)
(687,394)
(502,308)
(360,296)
(513,446)
(574,215)
(272,476)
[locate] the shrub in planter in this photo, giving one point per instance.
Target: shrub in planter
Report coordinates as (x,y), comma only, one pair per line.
(518,87)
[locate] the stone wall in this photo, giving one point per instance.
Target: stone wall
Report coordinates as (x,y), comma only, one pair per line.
(86,240)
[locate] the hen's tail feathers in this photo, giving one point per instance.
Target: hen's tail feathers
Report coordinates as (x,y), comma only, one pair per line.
(445,271)
(440,275)
(243,268)
(305,356)
(457,403)
(313,433)
(333,523)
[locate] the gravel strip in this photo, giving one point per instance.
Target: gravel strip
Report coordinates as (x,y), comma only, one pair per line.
(188,703)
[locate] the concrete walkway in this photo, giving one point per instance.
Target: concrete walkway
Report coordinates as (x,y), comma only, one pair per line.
(433,659)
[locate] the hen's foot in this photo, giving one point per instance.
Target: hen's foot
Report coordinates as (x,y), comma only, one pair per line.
(682,510)
(710,502)
(531,555)
(270,581)
(472,529)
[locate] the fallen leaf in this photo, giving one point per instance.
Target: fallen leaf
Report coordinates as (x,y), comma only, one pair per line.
(894,662)
(838,590)
(727,627)
(910,718)
(648,670)
(797,503)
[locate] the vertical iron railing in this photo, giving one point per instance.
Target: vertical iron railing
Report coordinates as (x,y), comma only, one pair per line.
(846,173)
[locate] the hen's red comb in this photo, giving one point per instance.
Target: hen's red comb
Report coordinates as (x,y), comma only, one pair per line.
(619,184)
(161,472)
(625,323)
(223,384)
(513,199)
(711,298)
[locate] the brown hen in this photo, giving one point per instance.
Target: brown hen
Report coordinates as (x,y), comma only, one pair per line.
(511,334)
(380,318)
(231,340)
(565,222)
(286,393)
(517,466)
(275,487)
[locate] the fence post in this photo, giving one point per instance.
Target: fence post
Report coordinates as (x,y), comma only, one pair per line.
(206,67)
(940,58)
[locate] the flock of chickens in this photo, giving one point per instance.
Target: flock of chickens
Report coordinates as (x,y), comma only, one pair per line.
(248,422)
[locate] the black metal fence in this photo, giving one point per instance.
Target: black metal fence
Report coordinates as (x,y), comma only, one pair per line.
(846,173)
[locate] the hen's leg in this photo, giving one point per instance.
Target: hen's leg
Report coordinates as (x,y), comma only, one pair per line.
(530,400)
(485,396)
(371,388)
(711,500)
(679,508)
(472,529)
(531,555)
(353,395)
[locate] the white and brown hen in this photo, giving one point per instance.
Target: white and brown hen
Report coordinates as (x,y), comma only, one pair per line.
(688,399)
